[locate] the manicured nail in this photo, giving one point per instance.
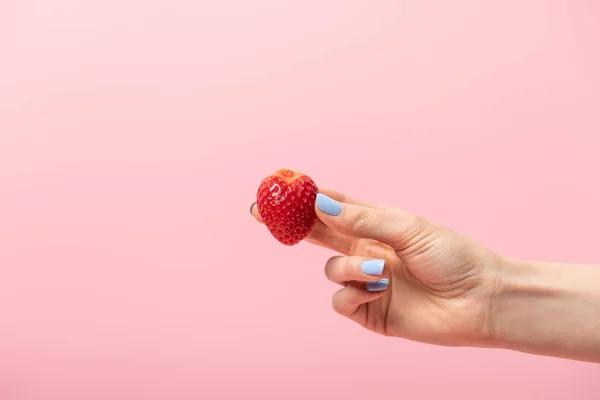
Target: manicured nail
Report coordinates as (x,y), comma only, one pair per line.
(379,285)
(251,207)
(372,267)
(328,205)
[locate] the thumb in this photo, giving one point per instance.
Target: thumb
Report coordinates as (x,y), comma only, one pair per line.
(389,226)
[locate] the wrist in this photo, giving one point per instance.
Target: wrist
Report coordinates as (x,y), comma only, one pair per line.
(508,281)
(546,309)
(520,288)
(494,288)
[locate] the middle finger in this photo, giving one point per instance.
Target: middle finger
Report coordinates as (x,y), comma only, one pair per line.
(340,269)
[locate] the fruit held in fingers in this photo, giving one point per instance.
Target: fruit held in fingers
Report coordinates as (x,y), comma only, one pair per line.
(286,204)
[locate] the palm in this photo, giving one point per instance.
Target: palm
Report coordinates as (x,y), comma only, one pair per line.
(429,288)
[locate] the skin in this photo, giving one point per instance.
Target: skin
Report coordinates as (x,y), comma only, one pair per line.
(447,289)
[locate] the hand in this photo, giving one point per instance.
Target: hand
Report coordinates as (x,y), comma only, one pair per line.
(405,276)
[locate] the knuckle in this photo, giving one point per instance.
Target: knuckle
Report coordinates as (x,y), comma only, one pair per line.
(418,236)
(410,223)
(363,219)
(346,269)
(410,228)
(416,222)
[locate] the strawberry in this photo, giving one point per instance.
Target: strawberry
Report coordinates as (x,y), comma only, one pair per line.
(286,204)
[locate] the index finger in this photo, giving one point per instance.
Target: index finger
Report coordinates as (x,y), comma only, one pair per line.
(343,198)
(321,235)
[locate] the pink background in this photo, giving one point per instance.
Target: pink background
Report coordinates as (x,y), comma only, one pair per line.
(133,137)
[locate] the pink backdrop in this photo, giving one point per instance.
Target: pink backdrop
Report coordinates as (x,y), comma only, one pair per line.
(134,134)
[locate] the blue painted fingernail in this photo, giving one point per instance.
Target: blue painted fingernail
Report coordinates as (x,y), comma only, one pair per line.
(379,285)
(328,205)
(372,267)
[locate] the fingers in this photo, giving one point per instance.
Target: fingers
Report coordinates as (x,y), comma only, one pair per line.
(392,227)
(320,235)
(335,239)
(330,193)
(323,236)
(363,280)
(341,269)
(344,198)
(352,300)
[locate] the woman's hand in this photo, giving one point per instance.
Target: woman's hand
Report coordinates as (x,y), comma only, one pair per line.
(405,276)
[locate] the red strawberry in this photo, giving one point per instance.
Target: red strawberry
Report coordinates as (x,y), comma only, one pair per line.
(286,204)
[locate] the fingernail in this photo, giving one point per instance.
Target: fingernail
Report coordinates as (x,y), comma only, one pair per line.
(372,267)
(251,207)
(328,205)
(379,285)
